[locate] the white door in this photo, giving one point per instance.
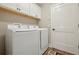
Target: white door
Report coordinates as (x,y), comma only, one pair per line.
(65,27)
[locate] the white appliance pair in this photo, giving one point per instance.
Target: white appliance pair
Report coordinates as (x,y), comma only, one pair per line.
(20,41)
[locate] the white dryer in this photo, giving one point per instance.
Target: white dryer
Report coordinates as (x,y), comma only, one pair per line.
(43,39)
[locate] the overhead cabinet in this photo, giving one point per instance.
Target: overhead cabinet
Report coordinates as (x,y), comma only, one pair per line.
(24,7)
(30,9)
(35,10)
(10,5)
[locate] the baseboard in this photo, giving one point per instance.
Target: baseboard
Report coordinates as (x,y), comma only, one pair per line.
(50,45)
(2,52)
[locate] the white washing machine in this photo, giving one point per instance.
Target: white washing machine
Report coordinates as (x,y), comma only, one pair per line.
(26,41)
(20,42)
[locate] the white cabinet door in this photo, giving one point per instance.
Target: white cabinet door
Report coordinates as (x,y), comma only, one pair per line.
(31,9)
(35,10)
(24,7)
(10,5)
(21,7)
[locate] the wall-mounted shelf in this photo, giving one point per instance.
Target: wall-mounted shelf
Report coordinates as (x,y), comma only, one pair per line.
(16,12)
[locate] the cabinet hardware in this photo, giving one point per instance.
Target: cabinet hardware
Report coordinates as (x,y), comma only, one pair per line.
(53,29)
(78,46)
(18,9)
(78,25)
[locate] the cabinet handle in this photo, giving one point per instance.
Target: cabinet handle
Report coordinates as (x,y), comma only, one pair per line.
(78,25)
(78,46)
(18,9)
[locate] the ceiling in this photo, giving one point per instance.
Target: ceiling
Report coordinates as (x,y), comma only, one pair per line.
(41,4)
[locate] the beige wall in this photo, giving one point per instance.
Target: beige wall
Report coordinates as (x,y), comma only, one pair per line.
(46,16)
(6,18)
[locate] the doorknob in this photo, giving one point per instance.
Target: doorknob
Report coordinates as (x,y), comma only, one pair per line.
(53,29)
(78,25)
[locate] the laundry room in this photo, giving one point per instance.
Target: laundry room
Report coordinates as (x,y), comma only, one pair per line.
(17,18)
(6,18)
(39,28)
